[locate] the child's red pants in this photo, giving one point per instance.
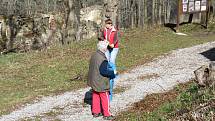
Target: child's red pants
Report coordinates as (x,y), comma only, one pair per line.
(103,98)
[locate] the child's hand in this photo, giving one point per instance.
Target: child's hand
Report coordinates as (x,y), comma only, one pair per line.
(115,72)
(111,45)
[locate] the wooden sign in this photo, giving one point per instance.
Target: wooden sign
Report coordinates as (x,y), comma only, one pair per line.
(193,6)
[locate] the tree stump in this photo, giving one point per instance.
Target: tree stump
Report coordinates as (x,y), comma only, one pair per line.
(205,75)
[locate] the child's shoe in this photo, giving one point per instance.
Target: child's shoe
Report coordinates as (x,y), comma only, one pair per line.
(97,115)
(108,117)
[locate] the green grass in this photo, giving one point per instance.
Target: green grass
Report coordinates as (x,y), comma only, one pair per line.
(27,76)
(187,100)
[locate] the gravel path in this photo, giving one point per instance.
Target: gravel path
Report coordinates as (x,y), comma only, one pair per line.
(177,67)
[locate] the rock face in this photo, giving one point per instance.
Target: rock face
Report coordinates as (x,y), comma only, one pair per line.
(72,21)
(91,20)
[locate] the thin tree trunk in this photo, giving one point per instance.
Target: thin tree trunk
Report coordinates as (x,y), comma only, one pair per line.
(153,12)
(143,13)
(160,6)
(139,13)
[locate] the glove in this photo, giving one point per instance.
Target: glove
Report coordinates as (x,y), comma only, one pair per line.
(112,66)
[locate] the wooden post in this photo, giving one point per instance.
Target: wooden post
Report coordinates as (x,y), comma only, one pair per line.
(178,15)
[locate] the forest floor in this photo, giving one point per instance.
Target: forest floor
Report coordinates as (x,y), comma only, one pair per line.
(151,76)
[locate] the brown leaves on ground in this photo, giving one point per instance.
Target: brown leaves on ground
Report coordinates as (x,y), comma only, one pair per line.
(153,101)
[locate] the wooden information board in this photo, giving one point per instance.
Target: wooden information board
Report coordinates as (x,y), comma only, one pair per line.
(192,7)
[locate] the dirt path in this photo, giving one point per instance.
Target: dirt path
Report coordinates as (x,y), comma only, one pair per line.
(160,75)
